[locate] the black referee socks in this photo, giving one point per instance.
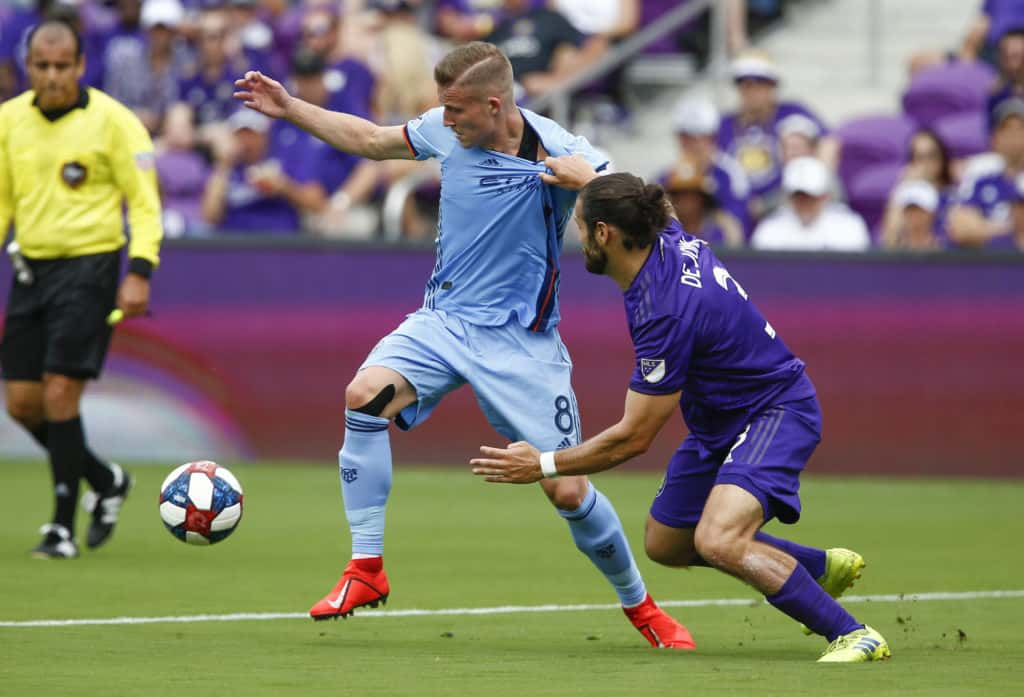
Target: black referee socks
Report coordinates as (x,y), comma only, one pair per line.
(97,472)
(66,443)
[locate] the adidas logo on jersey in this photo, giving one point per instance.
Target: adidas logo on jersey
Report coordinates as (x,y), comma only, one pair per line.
(566,443)
(490,162)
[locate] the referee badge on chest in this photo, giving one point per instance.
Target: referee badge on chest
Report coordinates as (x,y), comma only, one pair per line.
(74,174)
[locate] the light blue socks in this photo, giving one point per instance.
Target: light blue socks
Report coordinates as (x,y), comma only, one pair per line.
(364,466)
(598,533)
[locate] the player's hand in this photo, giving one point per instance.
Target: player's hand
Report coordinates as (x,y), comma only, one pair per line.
(519,463)
(265,95)
(133,295)
(568,172)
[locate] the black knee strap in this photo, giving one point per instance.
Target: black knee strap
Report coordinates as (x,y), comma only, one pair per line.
(375,407)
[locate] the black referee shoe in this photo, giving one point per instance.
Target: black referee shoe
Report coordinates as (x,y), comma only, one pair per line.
(57,543)
(106,508)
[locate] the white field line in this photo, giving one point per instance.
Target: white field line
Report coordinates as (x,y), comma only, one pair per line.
(503,609)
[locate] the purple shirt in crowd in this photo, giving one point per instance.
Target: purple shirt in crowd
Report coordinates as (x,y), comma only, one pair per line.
(730,188)
(756,146)
(694,329)
(992,194)
(1003,16)
(211,101)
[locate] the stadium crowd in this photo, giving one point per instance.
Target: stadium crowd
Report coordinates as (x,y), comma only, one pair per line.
(947,173)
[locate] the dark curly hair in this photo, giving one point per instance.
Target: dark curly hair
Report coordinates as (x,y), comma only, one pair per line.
(625,201)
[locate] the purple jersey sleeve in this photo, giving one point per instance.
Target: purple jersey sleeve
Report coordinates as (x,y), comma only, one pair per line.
(663,347)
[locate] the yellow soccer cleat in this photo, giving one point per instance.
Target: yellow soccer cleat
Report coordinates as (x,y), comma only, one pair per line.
(842,568)
(859,646)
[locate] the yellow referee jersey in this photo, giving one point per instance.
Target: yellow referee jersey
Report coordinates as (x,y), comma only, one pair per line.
(62,182)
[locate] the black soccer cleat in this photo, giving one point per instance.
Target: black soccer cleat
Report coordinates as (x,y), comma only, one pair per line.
(106,508)
(57,543)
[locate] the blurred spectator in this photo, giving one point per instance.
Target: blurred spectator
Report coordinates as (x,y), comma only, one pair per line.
(927,161)
(692,191)
(143,75)
(346,181)
(914,206)
(694,37)
(980,217)
(207,89)
(607,19)
(1010,82)
(995,18)
(348,79)
(798,137)
(182,173)
(751,136)
(249,190)
(993,21)
(470,20)
(544,49)
(1017,212)
(255,36)
(809,221)
(696,122)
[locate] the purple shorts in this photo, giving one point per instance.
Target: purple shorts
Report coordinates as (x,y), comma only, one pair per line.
(765,459)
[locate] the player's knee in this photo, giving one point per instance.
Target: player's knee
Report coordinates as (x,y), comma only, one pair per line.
(27,412)
(366,398)
(718,546)
(567,494)
(61,395)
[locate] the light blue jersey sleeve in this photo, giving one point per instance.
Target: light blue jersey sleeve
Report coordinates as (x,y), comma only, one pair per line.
(428,137)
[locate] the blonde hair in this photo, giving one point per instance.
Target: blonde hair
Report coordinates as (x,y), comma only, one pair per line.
(476,65)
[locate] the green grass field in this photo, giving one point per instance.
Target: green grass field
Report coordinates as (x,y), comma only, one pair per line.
(456,542)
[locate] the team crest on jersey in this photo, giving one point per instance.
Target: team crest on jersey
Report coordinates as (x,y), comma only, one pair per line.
(653,369)
(73,174)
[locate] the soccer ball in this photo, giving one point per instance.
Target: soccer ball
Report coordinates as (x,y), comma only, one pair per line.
(201,502)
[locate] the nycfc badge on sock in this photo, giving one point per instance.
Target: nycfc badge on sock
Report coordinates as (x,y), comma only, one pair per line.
(73,174)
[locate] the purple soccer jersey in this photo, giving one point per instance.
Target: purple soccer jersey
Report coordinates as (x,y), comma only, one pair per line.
(753,415)
(755,146)
(992,194)
(694,329)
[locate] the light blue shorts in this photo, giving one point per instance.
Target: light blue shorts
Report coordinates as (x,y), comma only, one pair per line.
(521,378)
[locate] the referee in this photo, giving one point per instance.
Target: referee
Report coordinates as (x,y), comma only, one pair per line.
(69,157)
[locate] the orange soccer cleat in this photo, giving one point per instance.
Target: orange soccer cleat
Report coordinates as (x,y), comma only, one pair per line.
(658,627)
(358,587)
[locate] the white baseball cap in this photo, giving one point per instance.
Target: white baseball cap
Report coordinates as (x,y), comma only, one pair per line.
(755,65)
(695,116)
(807,175)
(917,192)
(249,118)
(169,13)
(799,124)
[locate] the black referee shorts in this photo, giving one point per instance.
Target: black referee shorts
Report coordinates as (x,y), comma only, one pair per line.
(58,324)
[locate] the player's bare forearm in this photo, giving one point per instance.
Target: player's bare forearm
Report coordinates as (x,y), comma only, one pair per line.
(349,133)
(519,463)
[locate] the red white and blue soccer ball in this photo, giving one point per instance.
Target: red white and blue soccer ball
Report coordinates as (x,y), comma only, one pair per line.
(201,502)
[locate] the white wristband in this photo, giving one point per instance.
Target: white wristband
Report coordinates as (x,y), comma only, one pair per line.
(547,465)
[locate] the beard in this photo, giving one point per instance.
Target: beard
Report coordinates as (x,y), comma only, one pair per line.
(595,260)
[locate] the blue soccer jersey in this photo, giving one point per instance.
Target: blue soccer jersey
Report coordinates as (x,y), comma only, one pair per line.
(695,329)
(499,227)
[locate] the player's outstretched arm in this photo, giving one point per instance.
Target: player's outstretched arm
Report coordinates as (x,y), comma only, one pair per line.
(346,132)
(520,463)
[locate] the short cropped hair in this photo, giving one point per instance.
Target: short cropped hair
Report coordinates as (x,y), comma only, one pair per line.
(477,65)
(625,201)
(57,21)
